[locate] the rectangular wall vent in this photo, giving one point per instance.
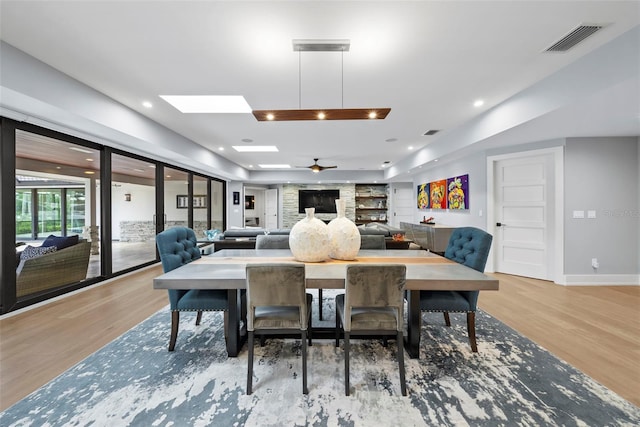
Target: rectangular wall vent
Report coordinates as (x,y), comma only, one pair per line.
(574,37)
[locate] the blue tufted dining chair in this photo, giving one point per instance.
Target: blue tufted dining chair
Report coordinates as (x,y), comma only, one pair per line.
(178,246)
(468,246)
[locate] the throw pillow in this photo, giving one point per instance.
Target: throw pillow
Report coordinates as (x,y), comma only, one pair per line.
(60,242)
(33,252)
(212,234)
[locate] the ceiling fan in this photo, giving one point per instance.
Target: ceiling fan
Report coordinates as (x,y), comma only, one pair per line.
(315,167)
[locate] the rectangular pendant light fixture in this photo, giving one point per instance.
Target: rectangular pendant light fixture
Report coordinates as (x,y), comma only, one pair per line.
(333,45)
(326,114)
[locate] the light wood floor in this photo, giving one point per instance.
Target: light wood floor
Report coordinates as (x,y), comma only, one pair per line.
(596,329)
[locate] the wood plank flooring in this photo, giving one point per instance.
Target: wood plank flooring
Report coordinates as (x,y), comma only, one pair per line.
(593,328)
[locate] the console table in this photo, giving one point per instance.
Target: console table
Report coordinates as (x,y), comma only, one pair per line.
(434,237)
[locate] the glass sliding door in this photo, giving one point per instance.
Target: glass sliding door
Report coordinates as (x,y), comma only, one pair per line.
(200,206)
(55,192)
(176,198)
(133,192)
(49,212)
(217,205)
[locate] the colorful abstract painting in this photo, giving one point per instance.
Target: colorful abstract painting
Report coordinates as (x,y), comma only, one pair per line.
(458,192)
(423,196)
(438,194)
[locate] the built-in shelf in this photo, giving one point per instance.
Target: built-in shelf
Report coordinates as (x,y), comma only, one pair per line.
(371,203)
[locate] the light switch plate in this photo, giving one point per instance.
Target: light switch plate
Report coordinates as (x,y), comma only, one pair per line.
(591,214)
(578,214)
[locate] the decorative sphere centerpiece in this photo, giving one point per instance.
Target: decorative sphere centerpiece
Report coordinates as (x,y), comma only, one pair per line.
(309,239)
(344,237)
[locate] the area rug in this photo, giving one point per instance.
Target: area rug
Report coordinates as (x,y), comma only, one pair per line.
(135,381)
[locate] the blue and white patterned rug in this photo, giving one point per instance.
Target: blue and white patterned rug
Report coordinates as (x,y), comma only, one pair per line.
(135,381)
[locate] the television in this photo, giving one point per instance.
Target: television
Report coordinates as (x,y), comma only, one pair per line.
(324,201)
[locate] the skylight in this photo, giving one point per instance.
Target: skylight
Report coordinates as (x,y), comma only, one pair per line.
(190,104)
(255,148)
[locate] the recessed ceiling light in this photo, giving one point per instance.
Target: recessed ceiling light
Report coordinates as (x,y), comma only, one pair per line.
(478,103)
(208,103)
(220,148)
(255,148)
(373,115)
(147,104)
(89,172)
(410,147)
(321,115)
(139,170)
(89,160)
(275,166)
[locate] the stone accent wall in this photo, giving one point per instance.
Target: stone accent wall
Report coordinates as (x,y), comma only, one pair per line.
(290,213)
(142,231)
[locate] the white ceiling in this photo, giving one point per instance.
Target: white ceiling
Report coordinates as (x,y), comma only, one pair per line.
(426,60)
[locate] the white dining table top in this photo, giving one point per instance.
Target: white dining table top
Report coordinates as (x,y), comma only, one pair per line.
(225,269)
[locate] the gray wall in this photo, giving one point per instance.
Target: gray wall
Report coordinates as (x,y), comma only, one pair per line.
(602,174)
(474,165)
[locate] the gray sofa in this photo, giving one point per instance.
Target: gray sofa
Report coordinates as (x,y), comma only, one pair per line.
(245,238)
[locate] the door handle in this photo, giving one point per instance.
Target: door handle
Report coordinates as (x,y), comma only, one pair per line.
(499,224)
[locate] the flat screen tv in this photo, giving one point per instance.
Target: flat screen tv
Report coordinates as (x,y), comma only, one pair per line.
(324,201)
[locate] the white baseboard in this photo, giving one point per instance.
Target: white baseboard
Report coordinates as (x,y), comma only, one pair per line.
(601,279)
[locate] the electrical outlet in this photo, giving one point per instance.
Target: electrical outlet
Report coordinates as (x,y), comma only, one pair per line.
(594,263)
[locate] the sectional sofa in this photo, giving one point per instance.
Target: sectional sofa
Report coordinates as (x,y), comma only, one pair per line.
(245,238)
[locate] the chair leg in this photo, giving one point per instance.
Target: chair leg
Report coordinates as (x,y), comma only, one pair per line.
(226,326)
(175,321)
(198,317)
(320,304)
(346,363)
(250,362)
(447,321)
(310,330)
(400,340)
(303,343)
(337,330)
(263,339)
(471,328)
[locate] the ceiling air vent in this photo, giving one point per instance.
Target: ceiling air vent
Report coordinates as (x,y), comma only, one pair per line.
(576,35)
(431,132)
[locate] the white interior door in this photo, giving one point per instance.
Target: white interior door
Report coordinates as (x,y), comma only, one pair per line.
(271,208)
(524,216)
(403,203)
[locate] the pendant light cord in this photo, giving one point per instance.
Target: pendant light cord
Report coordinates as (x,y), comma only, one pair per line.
(299,80)
(342,77)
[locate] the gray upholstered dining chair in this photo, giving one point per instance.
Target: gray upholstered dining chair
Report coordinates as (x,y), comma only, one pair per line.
(277,303)
(373,304)
(468,246)
(272,241)
(178,246)
(276,241)
(373,241)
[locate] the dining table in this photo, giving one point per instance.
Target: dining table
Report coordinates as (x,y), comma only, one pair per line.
(226,269)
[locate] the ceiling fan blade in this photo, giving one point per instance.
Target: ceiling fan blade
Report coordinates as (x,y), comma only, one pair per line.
(327,167)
